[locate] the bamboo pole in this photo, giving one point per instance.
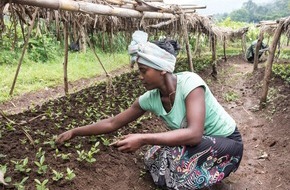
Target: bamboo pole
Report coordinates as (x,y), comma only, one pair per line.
(65,79)
(24,50)
(92,8)
(268,69)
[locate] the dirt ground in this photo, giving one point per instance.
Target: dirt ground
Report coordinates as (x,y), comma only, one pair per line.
(265,164)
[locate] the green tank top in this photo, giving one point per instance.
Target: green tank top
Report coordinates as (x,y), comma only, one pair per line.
(217,121)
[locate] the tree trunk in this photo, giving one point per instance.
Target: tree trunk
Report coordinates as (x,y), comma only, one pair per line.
(268,69)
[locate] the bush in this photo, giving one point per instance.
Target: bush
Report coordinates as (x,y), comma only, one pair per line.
(283,71)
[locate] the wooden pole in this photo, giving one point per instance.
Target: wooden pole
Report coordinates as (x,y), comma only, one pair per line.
(93,8)
(258,47)
(244,44)
(268,69)
(224,46)
(24,50)
(65,80)
(187,46)
(213,49)
(197,49)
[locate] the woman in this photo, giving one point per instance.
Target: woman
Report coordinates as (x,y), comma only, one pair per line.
(202,147)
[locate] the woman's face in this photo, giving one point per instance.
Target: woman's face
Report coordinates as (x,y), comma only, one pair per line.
(151,78)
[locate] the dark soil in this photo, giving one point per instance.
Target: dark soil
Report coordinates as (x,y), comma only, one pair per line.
(265,164)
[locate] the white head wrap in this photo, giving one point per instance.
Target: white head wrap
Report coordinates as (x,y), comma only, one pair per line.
(150,54)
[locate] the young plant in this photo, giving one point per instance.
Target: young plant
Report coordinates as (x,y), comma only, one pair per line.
(91,153)
(70,174)
(62,155)
(20,185)
(42,168)
(40,153)
(88,156)
(3,169)
(21,165)
(51,142)
(231,96)
(41,185)
(106,141)
(57,175)
(78,146)
(10,127)
(82,155)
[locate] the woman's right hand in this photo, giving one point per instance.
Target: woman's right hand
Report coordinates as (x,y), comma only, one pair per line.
(64,137)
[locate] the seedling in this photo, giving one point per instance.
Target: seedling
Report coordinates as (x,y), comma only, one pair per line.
(70,174)
(231,96)
(57,175)
(93,138)
(42,168)
(106,142)
(9,127)
(82,155)
(20,185)
(62,155)
(23,141)
(21,165)
(39,132)
(67,144)
(89,155)
(41,185)
(51,142)
(40,153)
(3,169)
(78,146)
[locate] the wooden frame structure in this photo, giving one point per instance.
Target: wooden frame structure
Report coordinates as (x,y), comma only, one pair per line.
(117,15)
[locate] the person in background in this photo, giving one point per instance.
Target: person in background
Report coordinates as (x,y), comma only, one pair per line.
(250,54)
(203,144)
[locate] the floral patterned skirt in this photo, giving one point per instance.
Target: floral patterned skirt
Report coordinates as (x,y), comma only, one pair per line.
(195,167)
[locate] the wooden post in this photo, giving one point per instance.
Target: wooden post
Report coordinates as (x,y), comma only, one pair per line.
(268,69)
(224,46)
(244,44)
(197,49)
(213,57)
(24,50)
(187,46)
(258,47)
(65,80)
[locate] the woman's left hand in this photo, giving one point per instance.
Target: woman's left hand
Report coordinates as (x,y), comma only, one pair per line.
(129,143)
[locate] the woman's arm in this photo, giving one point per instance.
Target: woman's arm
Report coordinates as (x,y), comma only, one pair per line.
(104,126)
(192,135)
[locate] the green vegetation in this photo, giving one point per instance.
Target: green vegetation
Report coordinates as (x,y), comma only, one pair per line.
(34,76)
(231,96)
(282,70)
(252,13)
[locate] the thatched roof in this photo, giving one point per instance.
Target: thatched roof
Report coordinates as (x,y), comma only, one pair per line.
(115,15)
(269,26)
